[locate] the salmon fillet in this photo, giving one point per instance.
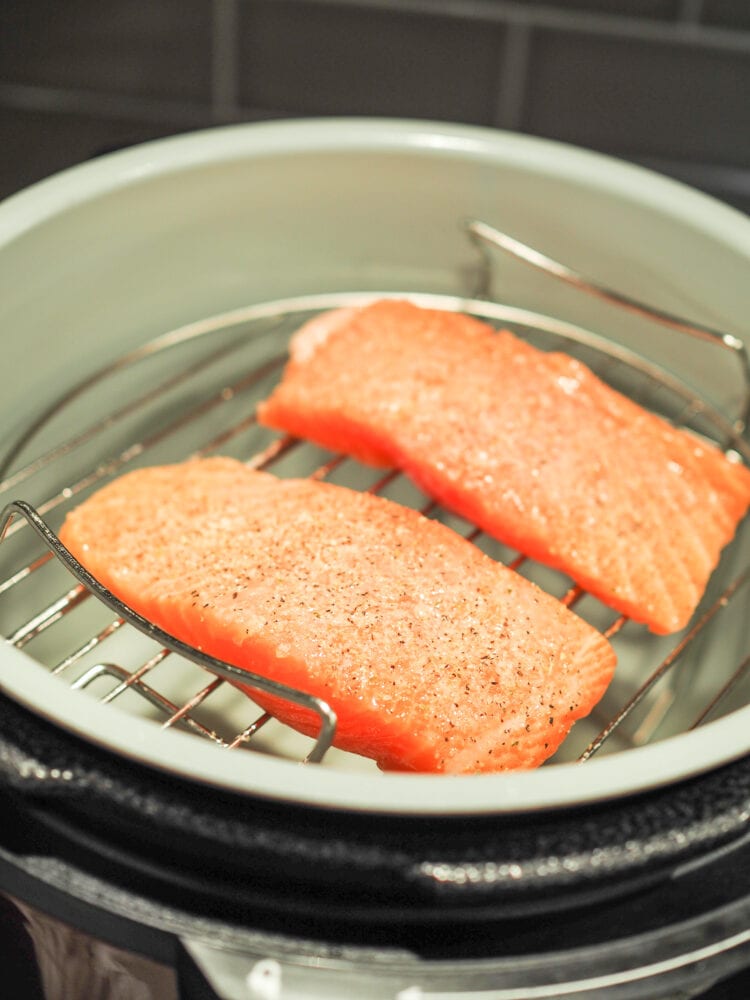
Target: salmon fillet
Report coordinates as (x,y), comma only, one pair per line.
(529,445)
(433,656)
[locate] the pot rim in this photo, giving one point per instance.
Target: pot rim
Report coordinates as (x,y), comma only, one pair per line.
(606,778)
(609,777)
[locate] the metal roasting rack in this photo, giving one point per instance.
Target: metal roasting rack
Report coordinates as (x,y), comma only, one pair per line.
(192,392)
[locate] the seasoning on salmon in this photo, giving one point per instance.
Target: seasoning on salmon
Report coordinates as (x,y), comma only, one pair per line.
(529,445)
(433,656)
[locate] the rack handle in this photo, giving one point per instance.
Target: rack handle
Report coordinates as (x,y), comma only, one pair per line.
(482,234)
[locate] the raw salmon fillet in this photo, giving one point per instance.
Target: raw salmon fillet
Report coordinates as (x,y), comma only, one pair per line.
(529,445)
(433,656)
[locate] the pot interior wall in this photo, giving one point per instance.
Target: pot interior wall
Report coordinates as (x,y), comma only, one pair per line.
(129,246)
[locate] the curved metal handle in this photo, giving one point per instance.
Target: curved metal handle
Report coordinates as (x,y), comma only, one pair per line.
(225,670)
(481,233)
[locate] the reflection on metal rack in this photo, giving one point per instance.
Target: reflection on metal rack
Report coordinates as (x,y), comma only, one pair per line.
(174,414)
(665,666)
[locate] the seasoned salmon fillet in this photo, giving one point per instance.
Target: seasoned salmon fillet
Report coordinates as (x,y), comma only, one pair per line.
(529,445)
(433,656)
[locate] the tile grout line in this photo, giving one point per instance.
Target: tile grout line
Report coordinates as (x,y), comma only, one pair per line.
(224,60)
(66,100)
(691,11)
(680,28)
(513,76)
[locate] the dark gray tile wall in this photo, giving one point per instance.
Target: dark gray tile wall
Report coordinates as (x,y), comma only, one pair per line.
(116,46)
(324,60)
(641,96)
(667,9)
(729,13)
(663,82)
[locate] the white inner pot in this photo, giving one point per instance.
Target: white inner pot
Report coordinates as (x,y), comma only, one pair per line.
(109,255)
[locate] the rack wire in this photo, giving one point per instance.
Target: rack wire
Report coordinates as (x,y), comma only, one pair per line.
(193,392)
